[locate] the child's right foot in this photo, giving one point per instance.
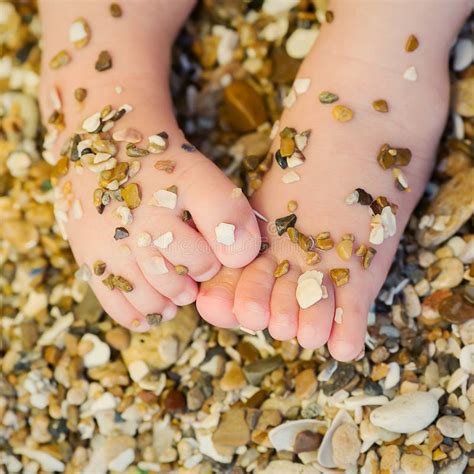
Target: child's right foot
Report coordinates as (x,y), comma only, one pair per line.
(142,244)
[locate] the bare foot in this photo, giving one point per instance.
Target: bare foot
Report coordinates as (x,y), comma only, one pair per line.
(387,64)
(147,215)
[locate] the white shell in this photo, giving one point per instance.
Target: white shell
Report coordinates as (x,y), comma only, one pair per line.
(165,198)
(338,315)
(325,450)
(309,290)
(164,240)
(295,160)
(155,266)
(92,123)
(410,74)
(406,413)
(225,233)
(283,436)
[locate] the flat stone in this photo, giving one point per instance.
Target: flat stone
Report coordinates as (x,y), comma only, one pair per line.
(415,464)
(232,430)
(450,426)
(346,445)
(255,371)
(306,384)
(307,441)
(339,379)
(233,378)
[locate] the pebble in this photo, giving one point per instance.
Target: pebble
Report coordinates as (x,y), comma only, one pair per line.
(346,445)
(406,413)
(233,378)
(466,331)
(411,74)
(309,288)
(415,464)
(450,274)
(466,359)
(225,233)
(450,426)
(99,353)
(122,461)
(165,198)
(463,54)
(412,302)
(118,338)
(255,371)
(306,384)
(232,431)
(164,240)
(46,461)
(300,42)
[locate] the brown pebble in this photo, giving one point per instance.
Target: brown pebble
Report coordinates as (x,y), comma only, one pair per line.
(341,113)
(307,441)
(115,10)
(292,206)
(80,94)
(60,59)
(122,284)
(104,61)
(380,105)
(181,269)
(411,44)
(118,338)
(340,276)
(153,319)
(99,267)
(167,166)
(109,281)
(174,401)
(281,269)
(324,241)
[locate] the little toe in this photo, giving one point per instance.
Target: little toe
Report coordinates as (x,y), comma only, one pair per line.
(161,274)
(217,204)
(253,293)
(348,332)
(216,298)
(182,245)
(284,307)
(315,322)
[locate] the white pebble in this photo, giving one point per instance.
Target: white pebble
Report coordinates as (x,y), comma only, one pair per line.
(165,198)
(236,193)
(155,266)
(164,240)
(225,233)
(122,461)
(309,290)
(466,359)
(92,123)
(410,74)
(274,7)
(290,177)
(125,215)
(98,355)
(290,99)
(393,376)
(76,209)
(463,54)
(77,31)
(138,370)
(300,42)
(338,315)
(144,239)
(295,160)
(301,85)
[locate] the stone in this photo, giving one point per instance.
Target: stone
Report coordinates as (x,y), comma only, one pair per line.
(306,384)
(287,467)
(194,399)
(300,41)
(456,309)
(406,413)
(464,97)
(449,273)
(341,377)
(390,460)
(149,346)
(346,445)
(307,441)
(174,401)
(255,371)
(454,204)
(450,426)
(466,331)
(244,107)
(118,338)
(415,464)
(47,462)
(232,430)
(99,353)
(233,378)
(283,437)
(466,359)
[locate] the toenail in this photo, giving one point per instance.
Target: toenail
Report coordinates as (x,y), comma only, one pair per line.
(207,275)
(168,313)
(220,293)
(184,298)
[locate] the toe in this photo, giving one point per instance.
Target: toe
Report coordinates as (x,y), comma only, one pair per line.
(347,337)
(162,276)
(253,292)
(188,248)
(212,202)
(284,307)
(314,323)
(216,298)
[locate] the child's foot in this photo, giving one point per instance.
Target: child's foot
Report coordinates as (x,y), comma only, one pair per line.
(144,229)
(363,57)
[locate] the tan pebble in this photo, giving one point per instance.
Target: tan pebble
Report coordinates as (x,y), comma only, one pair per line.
(292,206)
(340,276)
(380,105)
(181,269)
(411,44)
(281,269)
(341,113)
(345,247)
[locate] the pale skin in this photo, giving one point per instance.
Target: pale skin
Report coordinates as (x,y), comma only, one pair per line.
(361,57)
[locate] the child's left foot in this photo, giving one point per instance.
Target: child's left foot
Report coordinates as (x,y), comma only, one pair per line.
(378,137)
